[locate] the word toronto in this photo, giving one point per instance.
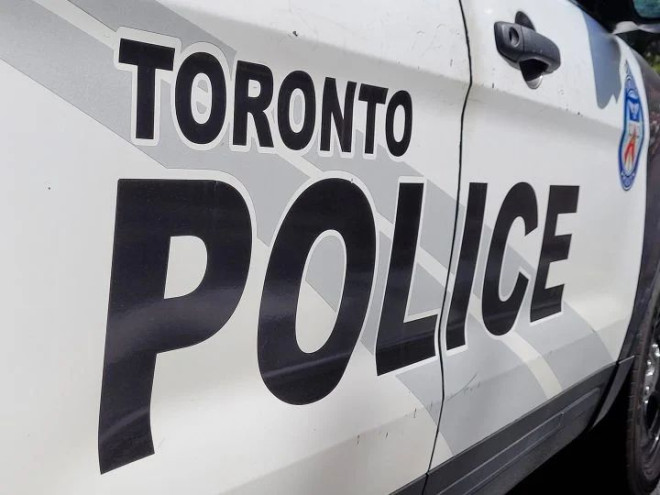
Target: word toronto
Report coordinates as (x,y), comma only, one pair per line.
(258,111)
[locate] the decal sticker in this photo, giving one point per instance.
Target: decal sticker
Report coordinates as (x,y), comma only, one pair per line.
(632,137)
(143,322)
(200,73)
(499,315)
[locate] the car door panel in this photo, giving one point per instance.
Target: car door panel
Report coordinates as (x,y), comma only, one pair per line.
(548,158)
(214,410)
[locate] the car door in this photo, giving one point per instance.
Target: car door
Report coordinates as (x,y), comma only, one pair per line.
(547,253)
(228,228)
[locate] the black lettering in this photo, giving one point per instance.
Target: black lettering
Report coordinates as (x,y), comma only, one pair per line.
(297,80)
(200,63)
(148,58)
(467,262)
(402,343)
(141,323)
(499,316)
(399,99)
(294,376)
(372,95)
(547,301)
(256,106)
(343,119)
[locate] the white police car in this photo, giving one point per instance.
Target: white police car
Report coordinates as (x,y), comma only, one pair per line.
(277,246)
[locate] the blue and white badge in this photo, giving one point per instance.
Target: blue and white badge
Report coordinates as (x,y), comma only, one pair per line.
(632,137)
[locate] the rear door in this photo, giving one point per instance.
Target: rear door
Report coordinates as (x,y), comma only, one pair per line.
(551,213)
(227,230)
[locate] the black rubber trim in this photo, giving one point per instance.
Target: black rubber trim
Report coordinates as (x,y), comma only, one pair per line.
(620,376)
(489,462)
(414,488)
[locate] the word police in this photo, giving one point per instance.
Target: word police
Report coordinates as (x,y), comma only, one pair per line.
(143,323)
(202,101)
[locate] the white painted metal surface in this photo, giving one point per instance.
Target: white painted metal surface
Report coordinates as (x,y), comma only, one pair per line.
(70,133)
(216,427)
(566,132)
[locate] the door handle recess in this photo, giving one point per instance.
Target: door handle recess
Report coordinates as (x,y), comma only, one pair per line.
(533,52)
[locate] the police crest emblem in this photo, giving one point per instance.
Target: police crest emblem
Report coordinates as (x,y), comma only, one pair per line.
(632,137)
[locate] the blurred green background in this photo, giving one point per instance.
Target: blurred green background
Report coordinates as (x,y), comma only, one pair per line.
(647,44)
